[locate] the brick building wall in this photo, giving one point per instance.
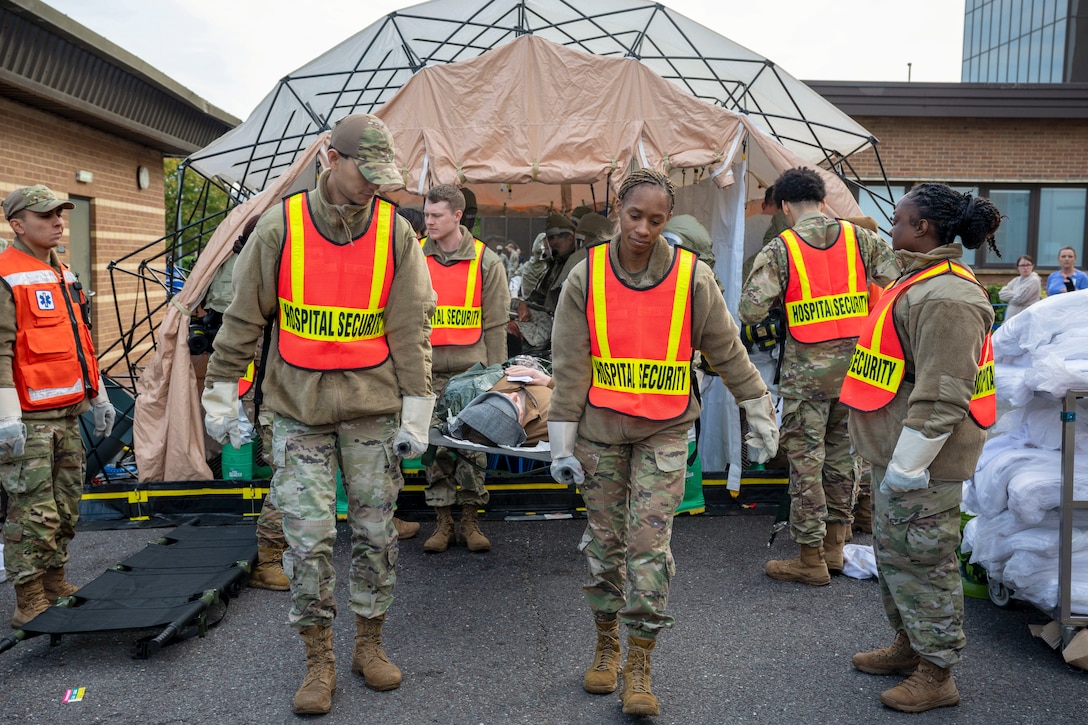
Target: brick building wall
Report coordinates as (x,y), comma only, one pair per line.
(39,147)
(976,150)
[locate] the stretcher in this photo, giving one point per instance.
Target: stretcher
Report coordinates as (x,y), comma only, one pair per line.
(171,587)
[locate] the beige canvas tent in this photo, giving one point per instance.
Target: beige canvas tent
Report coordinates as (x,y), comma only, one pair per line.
(523,125)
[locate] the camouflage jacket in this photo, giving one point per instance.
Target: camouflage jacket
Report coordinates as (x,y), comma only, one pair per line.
(810,371)
(323,397)
(941,323)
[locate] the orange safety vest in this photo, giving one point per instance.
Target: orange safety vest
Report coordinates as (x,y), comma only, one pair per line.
(640,339)
(54,365)
(458,314)
(878,365)
(822,303)
(332,296)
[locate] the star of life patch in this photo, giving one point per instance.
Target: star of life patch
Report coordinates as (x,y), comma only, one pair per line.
(45,300)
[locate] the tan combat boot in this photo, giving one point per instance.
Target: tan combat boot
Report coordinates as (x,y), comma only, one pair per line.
(30,601)
(55,586)
(896,659)
(863,516)
(369,659)
(601,677)
(636,696)
(315,695)
(808,568)
(268,574)
(443,531)
(834,540)
(405,529)
(470,530)
(929,687)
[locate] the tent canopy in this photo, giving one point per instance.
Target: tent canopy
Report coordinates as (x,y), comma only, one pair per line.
(363,73)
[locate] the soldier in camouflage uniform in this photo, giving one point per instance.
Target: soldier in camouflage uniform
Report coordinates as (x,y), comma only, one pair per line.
(352,396)
(48,378)
(458,479)
(631,468)
(814,428)
(925,441)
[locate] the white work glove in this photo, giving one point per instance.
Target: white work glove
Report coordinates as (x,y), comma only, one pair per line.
(908,470)
(221,413)
(762,438)
(103,411)
(12,430)
(415,420)
(565,467)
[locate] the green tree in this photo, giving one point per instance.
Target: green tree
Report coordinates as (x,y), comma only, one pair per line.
(203,206)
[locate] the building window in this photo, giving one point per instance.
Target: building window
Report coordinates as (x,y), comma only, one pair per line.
(1039,220)
(1061,222)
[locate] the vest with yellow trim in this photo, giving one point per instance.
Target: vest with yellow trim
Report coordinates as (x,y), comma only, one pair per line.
(458,314)
(640,339)
(822,302)
(332,296)
(878,366)
(54,365)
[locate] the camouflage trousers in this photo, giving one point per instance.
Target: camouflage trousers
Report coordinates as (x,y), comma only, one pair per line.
(915,535)
(817,444)
(304,491)
(270,521)
(452,480)
(44,487)
(631,492)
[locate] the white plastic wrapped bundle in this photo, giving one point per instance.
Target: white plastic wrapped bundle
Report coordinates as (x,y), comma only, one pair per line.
(1040,355)
(1034,578)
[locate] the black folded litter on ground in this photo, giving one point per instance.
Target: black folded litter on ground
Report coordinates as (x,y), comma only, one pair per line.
(171,585)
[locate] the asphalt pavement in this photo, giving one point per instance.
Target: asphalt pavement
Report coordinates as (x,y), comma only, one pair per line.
(504,637)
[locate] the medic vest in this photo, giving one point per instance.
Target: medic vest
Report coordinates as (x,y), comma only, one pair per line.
(458,314)
(332,297)
(640,339)
(878,366)
(822,302)
(54,365)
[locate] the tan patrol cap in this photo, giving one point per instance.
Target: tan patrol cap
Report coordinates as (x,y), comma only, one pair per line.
(558,224)
(365,139)
(38,198)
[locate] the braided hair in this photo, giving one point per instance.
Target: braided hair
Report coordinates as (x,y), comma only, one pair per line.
(639,177)
(973,219)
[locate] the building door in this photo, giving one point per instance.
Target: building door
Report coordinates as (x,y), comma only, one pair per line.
(79,244)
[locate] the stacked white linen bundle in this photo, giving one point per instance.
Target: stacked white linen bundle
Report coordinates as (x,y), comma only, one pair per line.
(1040,354)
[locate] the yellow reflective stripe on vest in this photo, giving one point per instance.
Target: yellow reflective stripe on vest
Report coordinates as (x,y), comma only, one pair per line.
(810,310)
(824,309)
(381,256)
(679,305)
(331,324)
(600,258)
(473,273)
(298,251)
(641,376)
(876,369)
(456,317)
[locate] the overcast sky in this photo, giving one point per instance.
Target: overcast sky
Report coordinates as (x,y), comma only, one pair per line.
(232,52)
